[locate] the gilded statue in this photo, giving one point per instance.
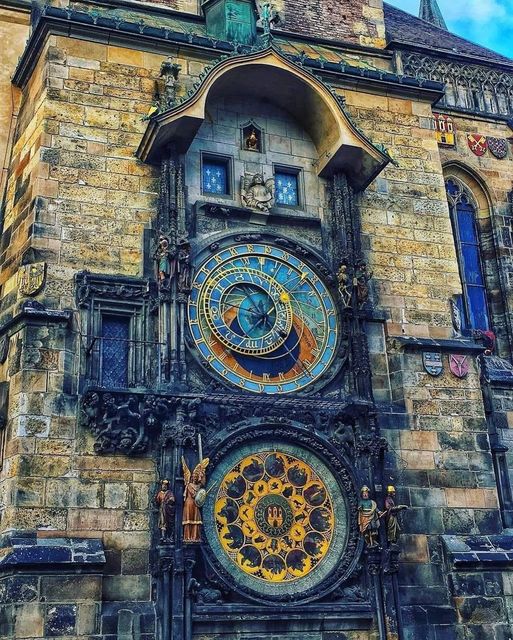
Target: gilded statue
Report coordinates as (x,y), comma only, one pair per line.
(390,513)
(165,500)
(257,193)
(368,518)
(252,142)
(194,496)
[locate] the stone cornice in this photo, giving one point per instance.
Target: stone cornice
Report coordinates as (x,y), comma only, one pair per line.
(32,312)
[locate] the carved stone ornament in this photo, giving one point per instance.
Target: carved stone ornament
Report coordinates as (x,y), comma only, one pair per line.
(89,286)
(470,87)
(433,362)
(31,278)
(257,193)
(169,70)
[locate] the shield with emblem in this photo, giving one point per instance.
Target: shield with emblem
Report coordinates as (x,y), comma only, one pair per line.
(459,365)
(433,362)
(31,278)
(498,147)
(477,143)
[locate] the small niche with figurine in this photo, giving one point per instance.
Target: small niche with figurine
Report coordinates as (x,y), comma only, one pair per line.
(252,137)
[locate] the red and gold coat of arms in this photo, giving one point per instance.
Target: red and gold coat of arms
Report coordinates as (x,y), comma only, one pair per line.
(477,143)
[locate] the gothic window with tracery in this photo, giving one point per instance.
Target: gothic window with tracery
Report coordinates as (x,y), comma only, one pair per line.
(473,304)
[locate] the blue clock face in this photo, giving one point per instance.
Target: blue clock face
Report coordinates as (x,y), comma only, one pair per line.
(262,318)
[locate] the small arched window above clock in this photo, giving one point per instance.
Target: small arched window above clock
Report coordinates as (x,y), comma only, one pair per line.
(252,137)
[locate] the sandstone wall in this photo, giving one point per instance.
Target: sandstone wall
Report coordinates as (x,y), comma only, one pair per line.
(14,29)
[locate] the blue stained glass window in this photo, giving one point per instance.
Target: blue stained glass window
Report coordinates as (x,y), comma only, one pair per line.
(286,188)
(215,176)
(475,306)
(115,351)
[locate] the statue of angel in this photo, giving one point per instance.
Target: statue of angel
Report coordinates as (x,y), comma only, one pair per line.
(257,193)
(194,496)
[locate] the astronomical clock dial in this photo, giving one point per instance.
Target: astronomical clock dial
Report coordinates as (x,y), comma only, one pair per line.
(276,519)
(262,318)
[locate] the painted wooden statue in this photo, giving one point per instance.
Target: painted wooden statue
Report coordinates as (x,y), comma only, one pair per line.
(368,518)
(165,500)
(193,496)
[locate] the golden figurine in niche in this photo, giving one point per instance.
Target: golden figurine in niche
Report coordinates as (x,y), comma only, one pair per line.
(253,141)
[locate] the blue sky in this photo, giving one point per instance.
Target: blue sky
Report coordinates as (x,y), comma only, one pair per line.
(487,22)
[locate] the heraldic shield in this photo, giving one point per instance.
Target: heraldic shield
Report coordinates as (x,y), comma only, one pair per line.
(31,278)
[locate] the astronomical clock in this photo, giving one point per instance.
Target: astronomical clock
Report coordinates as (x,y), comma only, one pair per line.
(262,318)
(266,325)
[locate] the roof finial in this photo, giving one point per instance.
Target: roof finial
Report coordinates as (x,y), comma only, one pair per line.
(430,11)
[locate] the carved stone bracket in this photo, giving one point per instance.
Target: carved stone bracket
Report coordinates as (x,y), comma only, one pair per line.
(124,421)
(89,286)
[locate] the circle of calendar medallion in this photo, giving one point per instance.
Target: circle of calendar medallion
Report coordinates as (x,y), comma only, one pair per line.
(274,516)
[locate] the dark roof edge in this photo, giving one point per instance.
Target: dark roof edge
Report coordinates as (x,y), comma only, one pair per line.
(26,5)
(76,23)
(451,55)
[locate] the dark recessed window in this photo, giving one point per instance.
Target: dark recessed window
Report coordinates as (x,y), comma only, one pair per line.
(286,184)
(463,216)
(215,176)
(115,350)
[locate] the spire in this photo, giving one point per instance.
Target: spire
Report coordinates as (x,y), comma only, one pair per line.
(430,11)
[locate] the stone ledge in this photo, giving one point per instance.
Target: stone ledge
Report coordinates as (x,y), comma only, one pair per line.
(22,549)
(454,345)
(483,552)
(496,370)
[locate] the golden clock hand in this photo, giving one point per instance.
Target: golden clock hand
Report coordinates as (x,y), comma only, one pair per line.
(237,306)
